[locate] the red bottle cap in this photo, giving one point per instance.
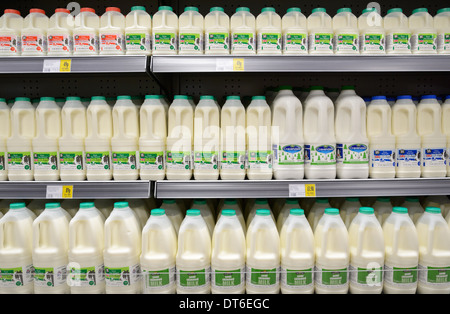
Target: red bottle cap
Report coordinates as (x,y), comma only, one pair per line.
(12,11)
(61,10)
(87,10)
(109,9)
(37,11)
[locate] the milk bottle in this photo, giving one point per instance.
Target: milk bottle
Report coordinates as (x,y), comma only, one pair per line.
(289,205)
(37,206)
(206,139)
(381,140)
(122,251)
(174,213)
(367,252)
(372,36)
(191,31)
(243,32)
(152,142)
(159,249)
(261,203)
(112,32)
(320,141)
(398,34)
(228,255)
(193,259)
(352,148)
(295,32)
(217,32)
(433,163)
(85,33)
(138,32)
(60,33)
(268,28)
(446,128)
(71,207)
(104,206)
(180,139)
(402,253)
(45,144)
(349,210)
(258,140)
(383,208)
(442,26)
(5,132)
(124,143)
(263,255)
(346,33)
(98,140)
(165,31)
(317,211)
(415,209)
(332,254)
(233,139)
(11,24)
(320,32)
(50,247)
(424,35)
(34,33)
(408,147)
(206,213)
(233,204)
(86,244)
(297,254)
(16,266)
(139,207)
(71,143)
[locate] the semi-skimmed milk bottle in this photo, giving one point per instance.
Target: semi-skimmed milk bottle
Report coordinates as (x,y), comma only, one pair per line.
(332,254)
(372,36)
(217,32)
(193,260)
(349,210)
(191,31)
(123,235)
(16,238)
(11,24)
(423,33)
(402,253)
(346,33)
(165,32)
(138,31)
(34,33)
(85,32)
(86,244)
(112,32)
(367,252)
(320,28)
(60,33)
(442,26)
(446,128)
(295,32)
(398,34)
(243,32)
(5,132)
(297,254)
(268,29)
(159,249)
(50,250)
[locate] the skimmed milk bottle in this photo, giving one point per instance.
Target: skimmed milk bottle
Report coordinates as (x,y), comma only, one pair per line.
(191,29)
(217,32)
(268,28)
(243,32)
(11,24)
(295,32)
(5,132)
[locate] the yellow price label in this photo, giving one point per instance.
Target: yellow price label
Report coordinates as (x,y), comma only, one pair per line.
(65,65)
(310,190)
(238,64)
(67,191)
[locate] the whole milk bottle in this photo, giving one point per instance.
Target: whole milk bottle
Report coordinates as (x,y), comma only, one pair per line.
(60,33)
(217,32)
(138,31)
(11,24)
(442,26)
(243,32)
(159,249)
(112,32)
(5,133)
(423,33)
(372,36)
(320,28)
(398,34)
(34,33)
(295,32)
(85,32)
(191,30)
(446,128)
(346,33)
(165,32)
(268,28)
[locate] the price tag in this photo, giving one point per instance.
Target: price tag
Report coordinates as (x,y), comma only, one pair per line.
(224,64)
(57,65)
(238,64)
(54,192)
(67,191)
(302,190)
(65,65)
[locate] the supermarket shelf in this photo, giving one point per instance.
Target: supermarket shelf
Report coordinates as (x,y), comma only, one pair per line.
(78,190)
(307,63)
(286,189)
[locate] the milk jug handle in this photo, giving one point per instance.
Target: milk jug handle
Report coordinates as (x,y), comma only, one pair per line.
(397,227)
(2,237)
(323,120)
(359,248)
(356,118)
(326,227)
(73,240)
(431,227)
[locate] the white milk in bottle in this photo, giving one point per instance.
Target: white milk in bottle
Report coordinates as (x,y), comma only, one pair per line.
(193,260)
(263,255)
(191,30)
(398,34)
(50,250)
(112,32)
(372,36)
(402,253)
(206,139)
(349,210)
(320,32)
(317,210)
(138,31)
(295,32)
(5,132)
(217,32)
(415,209)
(165,31)
(206,212)
(233,204)
(123,235)
(260,203)
(152,141)
(332,254)
(367,252)
(11,24)
(319,132)
(297,254)
(60,33)
(423,33)
(71,143)
(85,33)
(442,26)
(174,213)
(287,136)
(45,144)
(289,205)
(381,139)
(268,28)
(243,32)
(346,33)
(383,208)
(159,249)
(34,33)
(446,128)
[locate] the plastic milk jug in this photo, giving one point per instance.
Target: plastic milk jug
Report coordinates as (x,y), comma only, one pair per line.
(233,204)
(285,211)
(60,33)
(268,28)
(383,209)
(243,32)
(174,213)
(34,33)
(159,249)
(423,33)
(165,31)
(11,24)
(402,253)
(191,30)
(260,203)
(319,132)
(367,252)
(263,255)
(85,33)
(408,143)
(122,252)
(193,260)
(50,250)
(381,139)
(320,32)
(446,128)
(5,132)
(346,33)
(295,32)
(442,26)
(138,31)
(297,254)
(112,32)
(415,209)
(141,211)
(180,139)
(45,144)
(71,206)
(104,206)
(228,255)
(16,241)
(206,212)
(217,32)
(316,212)
(372,36)
(349,210)
(398,34)
(86,244)
(152,143)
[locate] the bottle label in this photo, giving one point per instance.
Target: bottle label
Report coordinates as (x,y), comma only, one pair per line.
(398,42)
(346,42)
(243,42)
(49,276)
(321,42)
(16,277)
(122,276)
(263,277)
(112,42)
(232,160)
(11,44)
(98,160)
(178,160)
(300,279)
(138,42)
(86,43)
(228,278)
(46,161)
(408,158)
(206,160)
(443,42)
(19,161)
(71,160)
(60,43)
(151,160)
(86,276)
(269,42)
(434,157)
(438,276)
(352,154)
(37,43)
(191,42)
(158,279)
(193,279)
(331,278)
(368,277)
(165,42)
(400,276)
(382,158)
(322,155)
(289,155)
(372,42)
(424,42)
(124,160)
(295,42)
(260,160)
(2,162)
(217,42)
